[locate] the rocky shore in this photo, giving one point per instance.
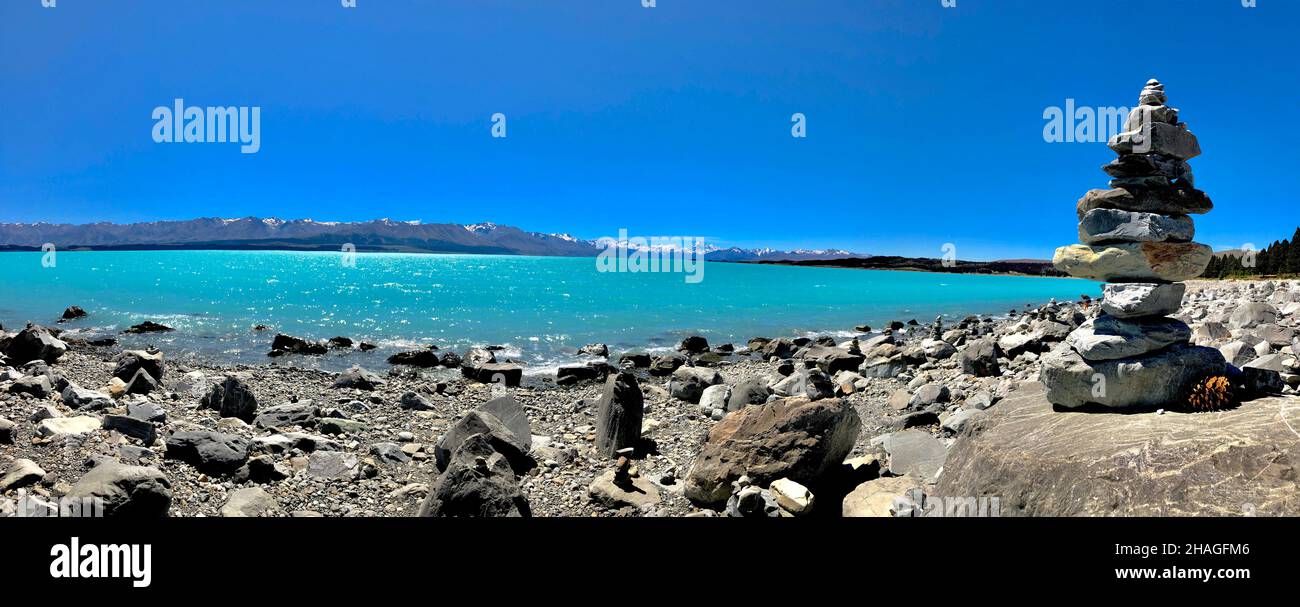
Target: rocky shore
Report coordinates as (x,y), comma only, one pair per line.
(779,426)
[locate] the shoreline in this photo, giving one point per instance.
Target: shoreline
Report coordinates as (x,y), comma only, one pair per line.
(320,443)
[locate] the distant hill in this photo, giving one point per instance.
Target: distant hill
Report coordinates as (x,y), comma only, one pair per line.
(253,233)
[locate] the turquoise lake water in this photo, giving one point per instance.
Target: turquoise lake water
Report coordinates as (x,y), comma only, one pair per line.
(541,308)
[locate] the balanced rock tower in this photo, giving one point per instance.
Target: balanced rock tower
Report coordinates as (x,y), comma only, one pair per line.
(1137,237)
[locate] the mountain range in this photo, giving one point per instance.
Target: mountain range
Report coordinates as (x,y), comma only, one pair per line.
(305,234)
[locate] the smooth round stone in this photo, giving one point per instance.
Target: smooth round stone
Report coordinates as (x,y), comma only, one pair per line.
(1160,379)
(1134,261)
(1110,338)
(1111,225)
(1136,299)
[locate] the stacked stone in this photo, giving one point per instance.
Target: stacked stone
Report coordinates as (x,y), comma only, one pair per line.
(1137,236)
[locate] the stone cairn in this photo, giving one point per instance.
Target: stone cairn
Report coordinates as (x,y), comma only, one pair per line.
(1137,237)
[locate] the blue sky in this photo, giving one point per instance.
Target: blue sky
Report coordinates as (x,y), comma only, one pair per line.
(924,123)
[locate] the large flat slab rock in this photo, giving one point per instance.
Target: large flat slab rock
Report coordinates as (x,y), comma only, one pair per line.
(1043,462)
(1109,338)
(1134,261)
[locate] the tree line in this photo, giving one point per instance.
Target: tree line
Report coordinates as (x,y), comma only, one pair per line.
(1280,258)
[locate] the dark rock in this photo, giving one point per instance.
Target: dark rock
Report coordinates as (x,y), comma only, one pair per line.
(635,360)
(688,383)
(507,374)
(574,374)
(125,491)
(132,427)
(8,431)
(72,313)
(426,358)
(780,348)
(1257,381)
(231,398)
(149,326)
(142,383)
(335,425)
(693,345)
(666,364)
(619,415)
(149,412)
(34,343)
(288,344)
(594,350)
(831,359)
(492,430)
(477,481)
(208,452)
(339,342)
(131,361)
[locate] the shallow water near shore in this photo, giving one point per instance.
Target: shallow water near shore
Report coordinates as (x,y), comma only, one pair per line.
(541,308)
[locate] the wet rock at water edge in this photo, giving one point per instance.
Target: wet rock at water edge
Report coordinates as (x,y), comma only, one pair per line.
(358,378)
(288,344)
(231,398)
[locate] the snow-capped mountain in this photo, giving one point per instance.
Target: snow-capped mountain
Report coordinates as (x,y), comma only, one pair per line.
(378,235)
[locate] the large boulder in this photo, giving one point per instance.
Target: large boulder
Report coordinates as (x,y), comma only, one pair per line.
(619,414)
(794,438)
(1135,261)
(34,343)
(478,481)
(426,358)
(1045,462)
(125,491)
(752,391)
(1252,314)
(808,383)
(507,374)
(1159,379)
(231,398)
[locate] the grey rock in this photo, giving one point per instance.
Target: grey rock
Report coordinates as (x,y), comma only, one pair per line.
(501,439)
(980,358)
(389,453)
(132,361)
(1110,338)
(1163,201)
(20,473)
(333,465)
(1100,226)
(753,391)
(1251,314)
(1158,138)
(1160,379)
(812,384)
(147,411)
(688,383)
(126,491)
(959,420)
(8,430)
(357,378)
(289,414)
(927,395)
(76,397)
(35,385)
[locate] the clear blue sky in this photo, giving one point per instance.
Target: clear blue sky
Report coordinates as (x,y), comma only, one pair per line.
(924,123)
